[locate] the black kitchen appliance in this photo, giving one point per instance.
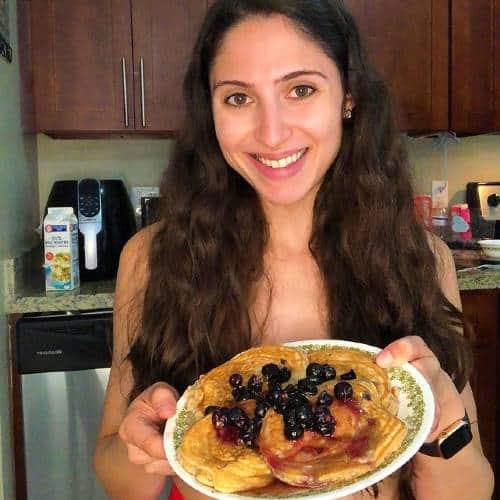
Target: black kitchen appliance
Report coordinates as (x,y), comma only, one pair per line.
(105,220)
(483,199)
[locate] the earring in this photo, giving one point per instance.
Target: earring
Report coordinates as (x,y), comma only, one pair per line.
(347,114)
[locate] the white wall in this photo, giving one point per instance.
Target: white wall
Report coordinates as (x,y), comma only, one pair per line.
(18,216)
(138,162)
(470,159)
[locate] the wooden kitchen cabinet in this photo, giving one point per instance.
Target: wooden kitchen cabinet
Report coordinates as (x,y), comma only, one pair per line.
(481,310)
(408,42)
(111,66)
(475,72)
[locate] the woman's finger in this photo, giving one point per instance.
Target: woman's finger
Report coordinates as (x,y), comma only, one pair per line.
(403,350)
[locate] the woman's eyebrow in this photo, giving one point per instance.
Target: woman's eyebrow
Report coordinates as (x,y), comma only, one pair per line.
(284,78)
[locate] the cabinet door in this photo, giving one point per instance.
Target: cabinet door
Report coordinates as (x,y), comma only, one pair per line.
(482,311)
(407,42)
(79,50)
(164,32)
(475,71)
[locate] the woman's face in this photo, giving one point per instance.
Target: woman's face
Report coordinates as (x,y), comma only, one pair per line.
(277,103)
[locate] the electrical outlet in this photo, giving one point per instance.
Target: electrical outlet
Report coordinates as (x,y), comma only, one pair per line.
(137,192)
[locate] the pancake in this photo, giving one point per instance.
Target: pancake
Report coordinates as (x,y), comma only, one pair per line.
(213,389)
(370,377)
(364,436)
(365,430)
(225,466)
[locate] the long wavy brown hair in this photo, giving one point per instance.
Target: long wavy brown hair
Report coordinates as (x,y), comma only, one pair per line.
(379,272)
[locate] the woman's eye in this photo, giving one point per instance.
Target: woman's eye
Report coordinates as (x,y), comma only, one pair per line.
(237,100)
(303,91)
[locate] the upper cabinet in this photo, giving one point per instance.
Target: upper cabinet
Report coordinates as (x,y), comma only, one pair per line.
(407,42)
(475,66)
(116,66)
(113,66)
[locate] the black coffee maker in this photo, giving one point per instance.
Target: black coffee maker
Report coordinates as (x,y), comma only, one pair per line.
(483,199)
(105,221)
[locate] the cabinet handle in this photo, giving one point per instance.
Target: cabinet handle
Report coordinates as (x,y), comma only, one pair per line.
(143,100)
(125,93)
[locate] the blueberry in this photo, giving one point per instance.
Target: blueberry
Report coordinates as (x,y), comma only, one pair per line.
(314,370)
(241,393)
(219,419)
(329,372)
(291,389)
(292,433)
(254,385)
(237,417)
(326,429)
(290,418)
(299,399)
(324,398)
(306,386)
(261,409)
(322,415)
(281,405)
(250,432)
(350,375)
(284,374)
(235,380)
(211,409)
(304,417)
(274,394)
(270,371)
(343,391)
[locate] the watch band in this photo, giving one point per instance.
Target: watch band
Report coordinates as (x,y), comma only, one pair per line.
(451,440)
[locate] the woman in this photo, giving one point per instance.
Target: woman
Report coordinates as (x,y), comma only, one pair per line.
(288,215)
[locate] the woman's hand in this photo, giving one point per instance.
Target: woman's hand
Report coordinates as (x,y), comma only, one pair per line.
(412,349)
(141,429)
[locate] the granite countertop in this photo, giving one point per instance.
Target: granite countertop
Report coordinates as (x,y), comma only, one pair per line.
(26,289)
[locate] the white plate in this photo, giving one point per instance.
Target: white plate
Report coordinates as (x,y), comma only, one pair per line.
(416,409)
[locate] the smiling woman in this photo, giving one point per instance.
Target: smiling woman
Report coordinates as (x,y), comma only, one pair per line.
(287,215)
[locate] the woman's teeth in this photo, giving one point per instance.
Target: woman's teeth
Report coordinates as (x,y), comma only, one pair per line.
(282,162)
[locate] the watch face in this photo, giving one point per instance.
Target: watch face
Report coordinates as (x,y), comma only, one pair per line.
(456,441)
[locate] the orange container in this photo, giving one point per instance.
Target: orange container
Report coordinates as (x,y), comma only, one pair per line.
(423,209)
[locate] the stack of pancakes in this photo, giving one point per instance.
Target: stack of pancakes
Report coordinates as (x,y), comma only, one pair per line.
(366,432)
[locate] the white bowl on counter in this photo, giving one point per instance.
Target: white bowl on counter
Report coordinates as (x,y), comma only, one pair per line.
(490,248)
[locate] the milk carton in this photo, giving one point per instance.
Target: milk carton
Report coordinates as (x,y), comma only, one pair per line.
(60,231)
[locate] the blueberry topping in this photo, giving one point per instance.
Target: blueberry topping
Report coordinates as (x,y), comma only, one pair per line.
(350,375)
(240,393)
(314,370)
(343,391)
(328,372)
(326,429)
(282,404)
(211,409)
(284,374)
(235,380)
(306,386)
(238,417)
(261,409)
(254,385)
(305,417)
(324,398)
(274,394)
(220,419)
(271,371)
(292,433)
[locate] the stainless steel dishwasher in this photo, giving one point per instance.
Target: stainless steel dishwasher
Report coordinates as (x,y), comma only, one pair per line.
(62,368)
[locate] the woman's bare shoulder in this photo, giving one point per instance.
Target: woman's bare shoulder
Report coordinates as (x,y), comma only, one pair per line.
(136,250)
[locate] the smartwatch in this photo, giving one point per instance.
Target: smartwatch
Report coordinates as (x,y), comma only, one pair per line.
(451,440)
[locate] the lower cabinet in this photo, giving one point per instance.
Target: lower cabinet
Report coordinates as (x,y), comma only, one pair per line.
(481,310)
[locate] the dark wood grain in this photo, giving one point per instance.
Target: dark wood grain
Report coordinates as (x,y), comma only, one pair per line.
(474,51)
(408,43)
(163,36)
(481,310)
(77,50)
(17,418)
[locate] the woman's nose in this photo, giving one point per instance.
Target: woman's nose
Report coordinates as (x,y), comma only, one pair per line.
(272,127)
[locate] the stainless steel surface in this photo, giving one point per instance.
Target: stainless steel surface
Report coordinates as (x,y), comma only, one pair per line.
(125,93)
(143,100)
(61,417)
